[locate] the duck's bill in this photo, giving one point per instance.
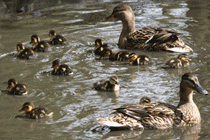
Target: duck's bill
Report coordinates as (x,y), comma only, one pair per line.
(21,110)
(200,90)
(111,17)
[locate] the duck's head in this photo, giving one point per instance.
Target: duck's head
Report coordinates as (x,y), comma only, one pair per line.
(98,42)
(114,80)
(52,33)
(145,100)
(20,47)
(55,64)
(132,57)
(121,12)
(184,58)
(34,39)
(11,83)
(27,107)
(189,83)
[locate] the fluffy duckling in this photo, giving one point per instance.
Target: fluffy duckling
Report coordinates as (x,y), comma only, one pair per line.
(107,52)
(181,60)
(100,46)
(145,100)
(59,69)
(122,55)
(15,88)
(35,113)
(38,45)
(56,39)
(111,84)
(24,53)
(139,60)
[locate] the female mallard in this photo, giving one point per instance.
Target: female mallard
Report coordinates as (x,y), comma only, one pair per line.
(139,60)
(24,53)
(56,39)
(39,46)
(100,46)
(181,60)
(35,113)
(157,115)
(15,88)
(111,84)
(147,38)
(59,69)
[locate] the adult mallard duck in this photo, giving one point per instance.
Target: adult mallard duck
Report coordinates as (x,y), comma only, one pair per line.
(181,60)
(35,113)
(139,60)
(55,38)
(24,53)
(15,88)
(38,45)
(59,69)
(111,84)
(158,115)
(147,38)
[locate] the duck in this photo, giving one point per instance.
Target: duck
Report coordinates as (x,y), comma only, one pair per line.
(38,45)
(182,60)
(55,38)
(24,53)
(16,89)
(148,38)
(35,113)
(99,47)
(159,115)
(110,84)
(145,100)
(139,60)
(59,69)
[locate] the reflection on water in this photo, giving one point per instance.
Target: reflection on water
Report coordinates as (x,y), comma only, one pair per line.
(75,104)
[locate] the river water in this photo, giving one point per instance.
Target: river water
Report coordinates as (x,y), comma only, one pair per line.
(75,104)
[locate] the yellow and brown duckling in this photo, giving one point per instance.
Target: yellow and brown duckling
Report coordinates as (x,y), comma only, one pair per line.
(110,84)
(16,89)
(181,61)
(145,100)
(99,49)
(139,60)
(24,53)
(38,45)
(59,69)
(148,38)
(55,38)
(35,113)
(158,115)
(119,56)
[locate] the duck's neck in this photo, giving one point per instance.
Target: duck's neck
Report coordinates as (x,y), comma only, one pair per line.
(186,95)
(128,22)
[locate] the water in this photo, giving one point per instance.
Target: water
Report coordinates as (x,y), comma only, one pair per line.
(75,104)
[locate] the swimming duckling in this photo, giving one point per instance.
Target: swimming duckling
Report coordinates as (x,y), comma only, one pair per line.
(39,46)
(100,46)
(111,84)
(15,88)
(24,53)
(59,69)
(56,39)
(145,100)
(35,113)
(107,52)
(181,60)
(122,55)
(159,115)
(139,60)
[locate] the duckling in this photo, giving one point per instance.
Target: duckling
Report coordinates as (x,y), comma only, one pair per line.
(181,60)
(107,52)
(15,88)
(39,46)
(35,113)
(59,69)
(111,84)
(56,39)
(145,100)
(159,115)
(122,55)
(100,46)
(139,60)
(24,53)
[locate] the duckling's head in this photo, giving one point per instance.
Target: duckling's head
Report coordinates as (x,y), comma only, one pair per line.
(11,83)
(132,57)
(27,107)
(114,80)
(34,39)
(184,58)
(52,33)
(55,64)
(20,47)
(145,100)
(98,42)
(190,82)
